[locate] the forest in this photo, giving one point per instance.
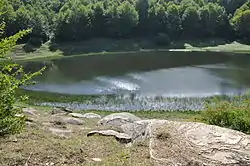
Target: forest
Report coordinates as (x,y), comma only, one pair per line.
(76,20)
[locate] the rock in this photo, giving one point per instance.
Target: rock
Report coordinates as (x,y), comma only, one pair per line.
(30,112)
(136,130)
(30,124)
(118,119)
(56,111)
(66,109)
(189,143)
(76,115)
(126,123)
(73,121)
(27,118)
(96,159)
(92,116)
(121,137)
(19,115)
(60,132)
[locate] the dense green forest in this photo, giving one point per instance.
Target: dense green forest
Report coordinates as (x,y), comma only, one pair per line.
(74,20)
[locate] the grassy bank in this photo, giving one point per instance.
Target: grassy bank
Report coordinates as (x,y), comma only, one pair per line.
(234,47)
(38,97)
(109,46)
(41,96)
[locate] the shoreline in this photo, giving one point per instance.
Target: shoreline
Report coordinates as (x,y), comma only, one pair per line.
(84,48)
(112,103)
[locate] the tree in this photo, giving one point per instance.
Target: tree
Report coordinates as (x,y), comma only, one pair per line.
(8,16)
(190,22)
(157,18)
(173,26)
(98,19)
(231,5)
(241,24)
(12,77)
(213,17)
(121,20)
(142,6)
(74,23)
(241,21)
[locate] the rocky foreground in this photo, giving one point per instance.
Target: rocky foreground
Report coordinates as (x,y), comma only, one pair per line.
(169,143)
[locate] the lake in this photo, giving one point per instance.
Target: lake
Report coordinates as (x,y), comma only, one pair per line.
(146,74)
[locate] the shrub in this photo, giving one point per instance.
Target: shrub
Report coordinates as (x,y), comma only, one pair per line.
(35,41)
(53,47)
(29,48)
(234,115)
(162,39)
(12,76)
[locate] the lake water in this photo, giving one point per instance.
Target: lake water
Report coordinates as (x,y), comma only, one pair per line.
(147,75)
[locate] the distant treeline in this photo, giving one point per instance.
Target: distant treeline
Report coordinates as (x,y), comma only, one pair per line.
(73,20)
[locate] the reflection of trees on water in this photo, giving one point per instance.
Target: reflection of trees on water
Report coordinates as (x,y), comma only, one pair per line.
(87,67)
(234,75)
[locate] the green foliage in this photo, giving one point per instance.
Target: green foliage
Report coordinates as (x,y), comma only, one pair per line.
(229,114)
(162,39)
(213,17)
(12,76)
(74,20)
(121,19)
(190,21)
(231,5)
(241,21)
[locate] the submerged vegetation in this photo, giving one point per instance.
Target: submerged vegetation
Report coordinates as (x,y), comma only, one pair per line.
(151,25)
(225,111)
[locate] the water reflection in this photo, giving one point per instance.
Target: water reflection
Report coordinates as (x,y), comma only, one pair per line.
(168,74)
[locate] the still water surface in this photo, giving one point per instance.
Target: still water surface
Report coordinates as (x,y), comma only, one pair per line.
(144,79)
(148,74)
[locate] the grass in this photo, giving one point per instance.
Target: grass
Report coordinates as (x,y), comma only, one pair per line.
(38,97)
(37,147)
(42,52)
(234,115)
(233,47)
(111,46)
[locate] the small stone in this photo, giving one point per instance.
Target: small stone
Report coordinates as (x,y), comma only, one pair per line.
(97,159)
(56,111)
(60,132)
(92,116)
(77,115)
(67,110)
(14,139)
(30,112)
(20,115)
(73,121)
(121,137)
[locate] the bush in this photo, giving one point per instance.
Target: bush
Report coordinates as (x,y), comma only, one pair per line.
(234,115)
(162,39)
(12,76)
(29,48)
(35,41)
(53,47)
(10,123)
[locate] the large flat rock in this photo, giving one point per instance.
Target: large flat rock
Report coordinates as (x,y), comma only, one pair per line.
(122,137)
(118,119)
(189,143)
